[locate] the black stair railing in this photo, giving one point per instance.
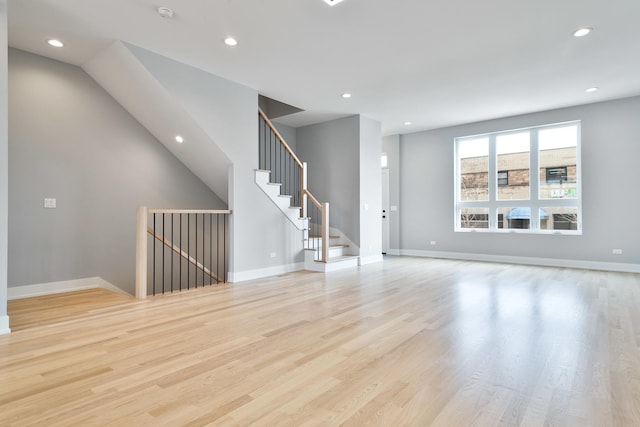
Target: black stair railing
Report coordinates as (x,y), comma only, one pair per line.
(186,249)
(276,156)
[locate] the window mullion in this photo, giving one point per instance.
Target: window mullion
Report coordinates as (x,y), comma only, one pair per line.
(493,183)
(534,180)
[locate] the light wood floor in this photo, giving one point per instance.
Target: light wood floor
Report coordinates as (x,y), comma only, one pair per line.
(45,310)
(408,342)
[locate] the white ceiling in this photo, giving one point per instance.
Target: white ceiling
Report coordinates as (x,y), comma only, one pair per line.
(434,63)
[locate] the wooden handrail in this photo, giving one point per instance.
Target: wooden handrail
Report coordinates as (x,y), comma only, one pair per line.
(187,211)
(182,253)
(282,141)
(313,199)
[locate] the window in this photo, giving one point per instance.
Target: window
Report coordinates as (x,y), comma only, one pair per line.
(566,219)
(498,189)
(557,175)
(512,154)
(474,172)
(558,160)
(471,218)
(503,178)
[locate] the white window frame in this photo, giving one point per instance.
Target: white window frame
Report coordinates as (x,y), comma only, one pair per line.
(534,202)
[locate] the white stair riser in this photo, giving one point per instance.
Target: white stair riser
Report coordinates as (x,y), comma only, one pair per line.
(312,265)
(272,190)
(334,251)
(282,202)
(337,251)
(262,177)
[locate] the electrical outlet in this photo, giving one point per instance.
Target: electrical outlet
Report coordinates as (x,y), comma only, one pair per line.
(432,243)
(50,203)
(273,254)
(617,251)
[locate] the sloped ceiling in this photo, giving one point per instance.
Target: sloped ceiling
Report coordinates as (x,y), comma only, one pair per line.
(125,78)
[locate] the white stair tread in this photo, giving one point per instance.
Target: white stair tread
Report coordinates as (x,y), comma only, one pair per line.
(330,247)
(340,258)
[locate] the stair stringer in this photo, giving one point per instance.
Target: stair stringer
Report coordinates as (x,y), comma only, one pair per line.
(283,202)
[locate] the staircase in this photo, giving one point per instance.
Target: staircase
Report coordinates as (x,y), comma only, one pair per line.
(283,178)
(338,258)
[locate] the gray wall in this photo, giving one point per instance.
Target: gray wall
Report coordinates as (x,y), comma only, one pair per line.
(343,158)
(71,141)
(610,153)
(332,153)
(4,168)
(370,188)
(288,133)
(228,113)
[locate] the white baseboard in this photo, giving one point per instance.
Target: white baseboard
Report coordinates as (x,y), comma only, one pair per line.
(363,260)
(264,272)
(395,252)
(50,288)
(543,262)
(4,325)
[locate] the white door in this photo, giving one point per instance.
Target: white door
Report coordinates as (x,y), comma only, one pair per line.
(385,211)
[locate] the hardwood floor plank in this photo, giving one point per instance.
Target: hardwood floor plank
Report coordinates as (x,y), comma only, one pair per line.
(408,342)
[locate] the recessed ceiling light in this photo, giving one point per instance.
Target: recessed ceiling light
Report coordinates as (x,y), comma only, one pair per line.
(55,43)
(179,139)
(346,95)
(230,41)
(581,32)
(165,12)
(407,123)
(332,2)
(591,89)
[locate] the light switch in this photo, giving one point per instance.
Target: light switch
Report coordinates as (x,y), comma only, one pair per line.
(50,203)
